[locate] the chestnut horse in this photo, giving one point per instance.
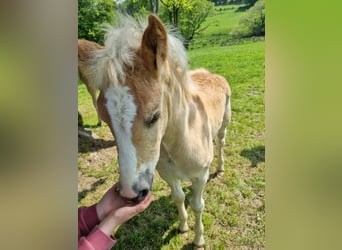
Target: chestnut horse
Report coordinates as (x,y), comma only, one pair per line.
(162,115)
(86,50)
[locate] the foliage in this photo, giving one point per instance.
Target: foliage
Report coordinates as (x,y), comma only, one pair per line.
(139,7)
(219,2)
(154,6)
(253,23)
(91,15)
(249,2)
(176,3)
(173,7)
(225,2)
(219,28)
(135,7)
(192,18)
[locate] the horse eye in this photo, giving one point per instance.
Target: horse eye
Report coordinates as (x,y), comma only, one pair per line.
(153,119)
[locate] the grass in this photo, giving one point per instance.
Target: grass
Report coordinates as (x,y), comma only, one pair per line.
(85,106)
(219,27)
(234,215)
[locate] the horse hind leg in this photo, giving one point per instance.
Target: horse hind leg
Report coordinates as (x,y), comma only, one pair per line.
(197,204)
(92,92)
(221,138)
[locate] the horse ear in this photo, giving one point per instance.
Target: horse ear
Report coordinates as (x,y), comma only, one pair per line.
(154,45)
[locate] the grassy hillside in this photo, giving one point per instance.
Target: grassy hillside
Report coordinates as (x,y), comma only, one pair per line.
(219,27)
(234,215)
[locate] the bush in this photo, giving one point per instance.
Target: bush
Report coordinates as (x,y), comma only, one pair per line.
(91,15)
(192,19)
(253,23)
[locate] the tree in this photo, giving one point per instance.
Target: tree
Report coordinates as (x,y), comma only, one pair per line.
(219,2)
(91,15)
(249,2)
(139,7)
(253,23)
(154,6)
(173,7)
(135,7)
(192,18)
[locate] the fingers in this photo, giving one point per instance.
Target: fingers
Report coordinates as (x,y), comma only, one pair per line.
(114,189)
(123,214)
(144,203)
(138,208)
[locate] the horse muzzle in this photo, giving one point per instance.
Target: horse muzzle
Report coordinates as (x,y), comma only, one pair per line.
(140,188)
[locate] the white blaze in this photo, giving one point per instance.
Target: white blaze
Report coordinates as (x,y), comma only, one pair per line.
(122,110)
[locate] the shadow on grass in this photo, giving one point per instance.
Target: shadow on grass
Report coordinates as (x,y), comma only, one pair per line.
(214,175)
(188,246)
(255,155)
(87,143)
(152,229)
(93,187)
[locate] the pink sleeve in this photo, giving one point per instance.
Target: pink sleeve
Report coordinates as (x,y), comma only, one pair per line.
(90,237)
(87,220)
(96,240)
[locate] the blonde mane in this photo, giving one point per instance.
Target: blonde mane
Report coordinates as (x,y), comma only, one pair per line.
(121,43)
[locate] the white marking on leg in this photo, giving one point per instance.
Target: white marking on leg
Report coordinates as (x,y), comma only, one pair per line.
(220,144)
(197,205)
(178,196)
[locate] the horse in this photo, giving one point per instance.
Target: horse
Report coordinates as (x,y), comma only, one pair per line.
(85,52)
(164,116)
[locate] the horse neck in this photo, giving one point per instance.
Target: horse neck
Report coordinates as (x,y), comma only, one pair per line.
(177,97)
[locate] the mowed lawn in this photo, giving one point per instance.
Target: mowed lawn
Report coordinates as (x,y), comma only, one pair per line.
(234,214)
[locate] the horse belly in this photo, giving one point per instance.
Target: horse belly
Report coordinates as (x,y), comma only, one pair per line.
(185,164)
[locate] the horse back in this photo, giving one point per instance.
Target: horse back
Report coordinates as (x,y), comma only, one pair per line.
(86,50)
(214,92)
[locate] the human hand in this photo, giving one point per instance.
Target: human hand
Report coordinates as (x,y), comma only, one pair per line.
(110,201)
(122,214)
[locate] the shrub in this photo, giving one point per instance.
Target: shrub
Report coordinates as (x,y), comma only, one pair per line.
(91,15)
(253,23)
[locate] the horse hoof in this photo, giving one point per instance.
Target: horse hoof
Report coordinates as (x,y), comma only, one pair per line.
(219,173)
(183,231)
(199,247)
(199,243)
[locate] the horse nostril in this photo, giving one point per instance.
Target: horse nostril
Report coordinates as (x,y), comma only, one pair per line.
(143,193)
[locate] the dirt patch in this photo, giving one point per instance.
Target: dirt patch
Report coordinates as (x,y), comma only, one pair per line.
(94,153)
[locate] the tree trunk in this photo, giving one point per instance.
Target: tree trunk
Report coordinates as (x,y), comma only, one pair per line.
(175,12)
(157,7)
(154,6)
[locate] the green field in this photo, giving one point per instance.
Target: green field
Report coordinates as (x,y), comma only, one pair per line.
(218,27)
(234,215)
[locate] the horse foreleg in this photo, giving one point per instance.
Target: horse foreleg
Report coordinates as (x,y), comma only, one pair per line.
(165,168)
(197,205)
(178,197)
